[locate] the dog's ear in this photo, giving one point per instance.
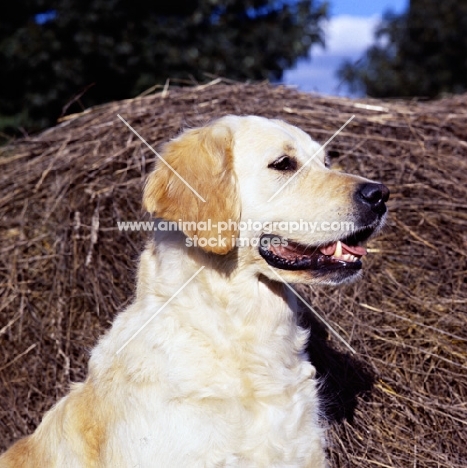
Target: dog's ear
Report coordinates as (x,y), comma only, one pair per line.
(201,161)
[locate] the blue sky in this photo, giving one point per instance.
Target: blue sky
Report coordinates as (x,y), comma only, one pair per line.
(349,32)
(366,7)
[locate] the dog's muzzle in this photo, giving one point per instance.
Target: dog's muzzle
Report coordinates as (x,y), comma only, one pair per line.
(371,199)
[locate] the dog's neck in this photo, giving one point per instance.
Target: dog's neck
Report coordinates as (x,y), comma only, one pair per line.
(236,322)
(169,268)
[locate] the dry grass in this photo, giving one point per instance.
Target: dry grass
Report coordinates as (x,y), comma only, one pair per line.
(65,269)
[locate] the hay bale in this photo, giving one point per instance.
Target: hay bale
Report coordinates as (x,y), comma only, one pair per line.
(65,269)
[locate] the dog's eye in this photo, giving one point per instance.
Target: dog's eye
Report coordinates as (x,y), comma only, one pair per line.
(284,163)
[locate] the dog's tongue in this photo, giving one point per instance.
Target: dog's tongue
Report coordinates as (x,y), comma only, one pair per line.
(343,249)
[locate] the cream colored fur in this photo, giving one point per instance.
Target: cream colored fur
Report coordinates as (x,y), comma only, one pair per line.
(218,376)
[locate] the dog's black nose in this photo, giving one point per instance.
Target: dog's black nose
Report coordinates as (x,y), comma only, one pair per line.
(374,196)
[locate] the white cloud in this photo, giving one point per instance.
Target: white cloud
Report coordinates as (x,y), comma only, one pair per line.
(347,37)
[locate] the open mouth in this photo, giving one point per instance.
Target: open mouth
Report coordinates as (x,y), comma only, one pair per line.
(344,254)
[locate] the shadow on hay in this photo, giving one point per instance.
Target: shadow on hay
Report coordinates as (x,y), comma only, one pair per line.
(342,377)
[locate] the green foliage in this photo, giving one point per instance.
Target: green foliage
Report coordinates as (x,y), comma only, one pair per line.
(422,52)
(94,51)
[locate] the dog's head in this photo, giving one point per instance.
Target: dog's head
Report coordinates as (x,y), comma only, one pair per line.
(262,186)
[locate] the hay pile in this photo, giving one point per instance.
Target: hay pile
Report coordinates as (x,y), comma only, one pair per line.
(65,269)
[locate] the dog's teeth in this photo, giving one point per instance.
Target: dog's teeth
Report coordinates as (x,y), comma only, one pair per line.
(338,251)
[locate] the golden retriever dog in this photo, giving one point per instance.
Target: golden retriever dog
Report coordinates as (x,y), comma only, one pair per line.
(206,368)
